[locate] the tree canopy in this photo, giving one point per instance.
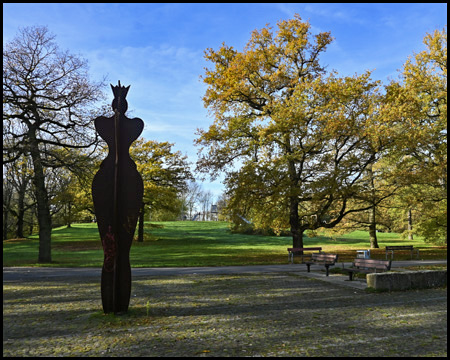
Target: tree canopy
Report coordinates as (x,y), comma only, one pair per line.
(415,116)
(165,173)
(298,133)
(48,106)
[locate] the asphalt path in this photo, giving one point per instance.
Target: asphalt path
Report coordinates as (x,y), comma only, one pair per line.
(48,273)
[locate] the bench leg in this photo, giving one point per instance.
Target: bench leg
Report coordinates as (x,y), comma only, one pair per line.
(412,251)
(291,257)
(350,275)
(327,267)
(308,265)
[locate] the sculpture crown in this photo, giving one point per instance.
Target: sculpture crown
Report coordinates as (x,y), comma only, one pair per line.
(120,93)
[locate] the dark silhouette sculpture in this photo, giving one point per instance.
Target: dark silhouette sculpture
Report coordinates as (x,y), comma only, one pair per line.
(117,191)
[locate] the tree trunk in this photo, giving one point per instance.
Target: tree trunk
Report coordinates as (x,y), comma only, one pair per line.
(43,209)
(21,209)
(410,227)
(373,229)
(31,222)
(372,217)
(294,221)
(373,236)
(5,224)
(7,196)
(20,215)
(69,215)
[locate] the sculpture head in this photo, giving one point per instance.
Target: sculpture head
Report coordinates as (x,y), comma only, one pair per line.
(120,93)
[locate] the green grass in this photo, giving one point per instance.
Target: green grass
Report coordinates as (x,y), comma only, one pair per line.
(184,243)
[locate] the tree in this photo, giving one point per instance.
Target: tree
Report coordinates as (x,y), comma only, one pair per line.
(300,134)
(221,206)
(190,196)
(8,192)
(382,185)
(164,174)
(18,175)
(415,114)
(205,203)
(47,111)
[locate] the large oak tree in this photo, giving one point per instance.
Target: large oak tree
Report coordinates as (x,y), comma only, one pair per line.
(48,109)
(292,138)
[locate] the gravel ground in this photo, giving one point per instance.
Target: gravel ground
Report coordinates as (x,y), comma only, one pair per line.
(270,314)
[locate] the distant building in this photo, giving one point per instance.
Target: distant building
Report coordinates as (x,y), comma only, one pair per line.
(214,213)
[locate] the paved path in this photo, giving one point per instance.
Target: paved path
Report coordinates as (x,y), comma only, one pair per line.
(47,273)
(267,314)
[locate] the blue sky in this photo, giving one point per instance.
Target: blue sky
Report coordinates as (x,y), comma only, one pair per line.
(158,48)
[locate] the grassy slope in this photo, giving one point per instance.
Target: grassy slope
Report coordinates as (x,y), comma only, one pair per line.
(194,244)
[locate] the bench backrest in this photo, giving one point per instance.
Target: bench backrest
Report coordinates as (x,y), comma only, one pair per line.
(400,247)
(373,264)
(304,249)
(332,258)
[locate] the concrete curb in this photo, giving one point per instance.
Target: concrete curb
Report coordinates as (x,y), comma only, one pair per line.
(424,279)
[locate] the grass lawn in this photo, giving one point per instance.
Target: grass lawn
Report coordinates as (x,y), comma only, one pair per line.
(185,243)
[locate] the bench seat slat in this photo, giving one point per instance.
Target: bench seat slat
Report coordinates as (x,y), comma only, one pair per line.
(292,251)
(399,247)
(367,266)
(392,248)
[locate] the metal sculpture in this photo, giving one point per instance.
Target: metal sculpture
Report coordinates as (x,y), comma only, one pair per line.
(117,191)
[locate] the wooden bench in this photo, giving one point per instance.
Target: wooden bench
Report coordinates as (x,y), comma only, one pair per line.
(367,266)
(292,251)
(322,259)
(391,249)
